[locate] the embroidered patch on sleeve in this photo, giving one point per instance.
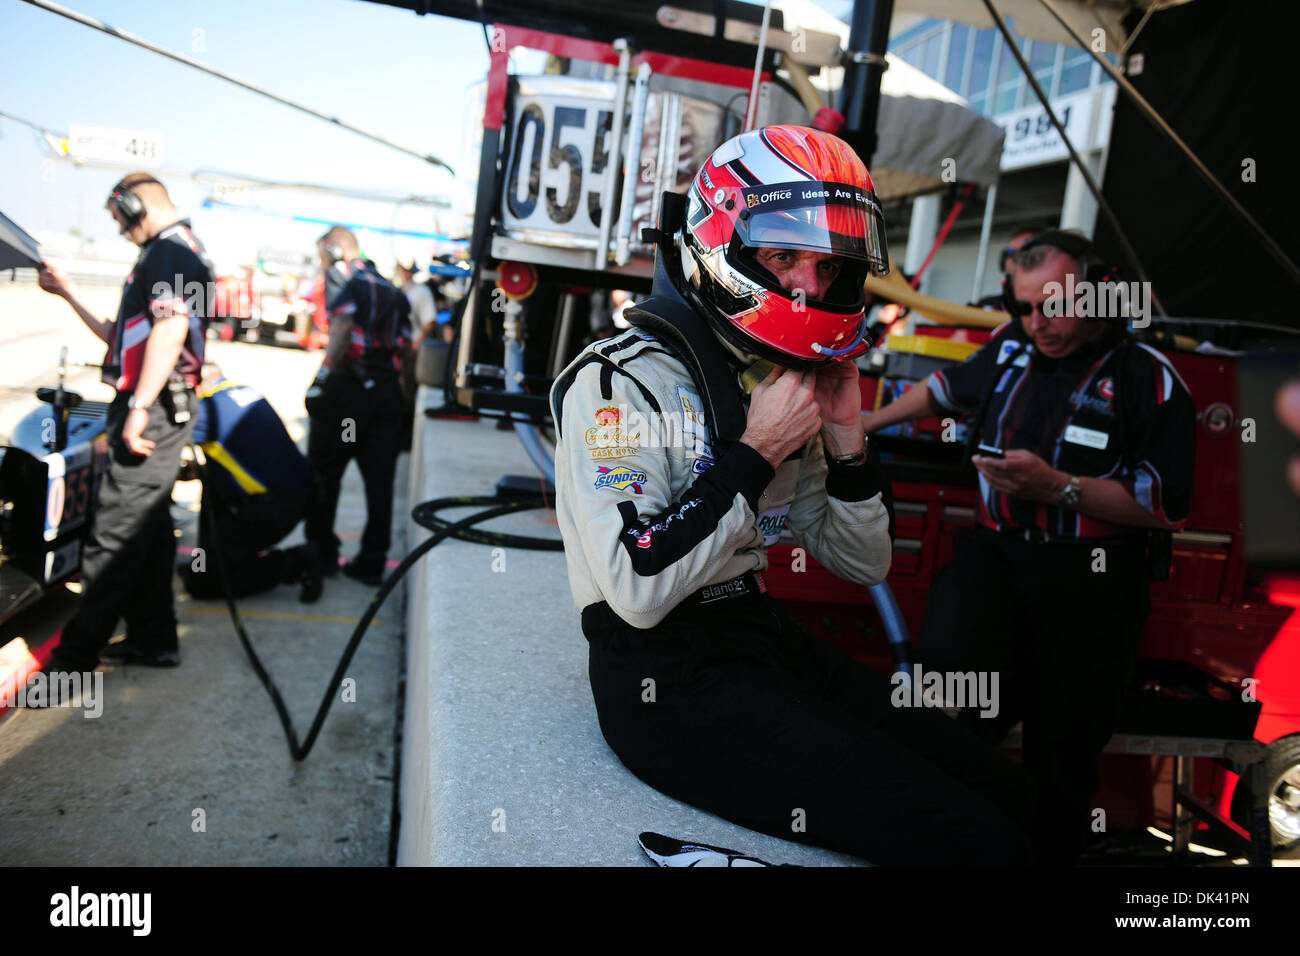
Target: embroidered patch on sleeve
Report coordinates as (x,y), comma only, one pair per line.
(620,478)
(611,437)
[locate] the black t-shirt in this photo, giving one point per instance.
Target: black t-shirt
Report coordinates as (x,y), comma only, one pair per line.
(380,314)
(1065,411)
(172,275)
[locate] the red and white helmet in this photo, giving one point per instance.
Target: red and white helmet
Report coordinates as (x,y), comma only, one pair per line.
(789,188)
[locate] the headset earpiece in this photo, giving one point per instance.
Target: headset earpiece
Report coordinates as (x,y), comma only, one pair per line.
(1100,272)
(129,205)
(1009,303)
(330,249)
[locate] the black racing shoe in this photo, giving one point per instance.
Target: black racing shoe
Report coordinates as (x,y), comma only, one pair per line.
(666,851)
(304,568)
(124,652)
(60,662)
(368,574)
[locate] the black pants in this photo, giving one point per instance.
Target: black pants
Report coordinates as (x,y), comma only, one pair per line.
(359,419)
(1063,638)
(126,564)
(247,531)
(734,709)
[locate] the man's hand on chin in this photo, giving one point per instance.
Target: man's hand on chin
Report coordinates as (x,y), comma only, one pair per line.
(839,396)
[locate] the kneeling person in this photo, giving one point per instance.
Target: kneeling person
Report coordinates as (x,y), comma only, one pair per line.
(257,487)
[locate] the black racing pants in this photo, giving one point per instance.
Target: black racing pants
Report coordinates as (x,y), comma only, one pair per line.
(734,709)
(1063,638)
(247,531)
(361,419)
(127,557)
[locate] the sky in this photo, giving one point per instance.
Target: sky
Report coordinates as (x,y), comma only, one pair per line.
(407,78)
(378,67)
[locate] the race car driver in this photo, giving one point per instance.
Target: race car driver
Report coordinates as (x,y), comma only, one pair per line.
(671,484)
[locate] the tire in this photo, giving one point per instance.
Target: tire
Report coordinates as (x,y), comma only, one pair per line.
(1282,780)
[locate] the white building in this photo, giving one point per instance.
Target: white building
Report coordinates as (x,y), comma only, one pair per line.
(1038,181)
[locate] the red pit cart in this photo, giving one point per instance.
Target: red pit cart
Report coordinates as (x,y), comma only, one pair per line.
(1215,635)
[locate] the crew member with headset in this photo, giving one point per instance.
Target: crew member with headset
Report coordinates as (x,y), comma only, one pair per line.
(355,404)
(154,360)
(1086,442)
(1020,234)
(257,486)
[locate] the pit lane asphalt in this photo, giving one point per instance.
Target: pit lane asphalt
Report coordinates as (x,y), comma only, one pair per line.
(125,788)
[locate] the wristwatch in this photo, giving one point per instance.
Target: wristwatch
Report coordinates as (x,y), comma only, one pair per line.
(854,460)
(1071,494)
(134,403)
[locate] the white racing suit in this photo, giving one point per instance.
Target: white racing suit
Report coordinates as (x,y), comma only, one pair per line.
(705,687)
(653,513)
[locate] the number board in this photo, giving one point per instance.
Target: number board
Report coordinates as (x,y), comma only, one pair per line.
(125,147)
(558,155)
(69,489)
(1031,140)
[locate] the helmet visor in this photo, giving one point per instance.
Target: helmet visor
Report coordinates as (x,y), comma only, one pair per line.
(819,217)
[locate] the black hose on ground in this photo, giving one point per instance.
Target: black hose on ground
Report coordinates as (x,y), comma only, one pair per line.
(423,514)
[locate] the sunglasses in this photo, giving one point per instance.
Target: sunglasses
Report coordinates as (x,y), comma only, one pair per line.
(1022,310)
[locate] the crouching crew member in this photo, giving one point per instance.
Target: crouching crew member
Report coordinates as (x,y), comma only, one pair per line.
(257,487)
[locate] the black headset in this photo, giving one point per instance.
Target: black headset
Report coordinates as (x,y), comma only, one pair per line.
(128,205)
(333,251)
(1079,248)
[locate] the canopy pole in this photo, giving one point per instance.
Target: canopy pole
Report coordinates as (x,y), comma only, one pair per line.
(939,239)
(985,231)
(751,110)
(864,64)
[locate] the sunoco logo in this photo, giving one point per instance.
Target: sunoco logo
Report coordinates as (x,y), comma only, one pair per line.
(621,478)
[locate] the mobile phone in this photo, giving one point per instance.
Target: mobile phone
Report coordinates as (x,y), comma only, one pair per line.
(989,451)
(1269,507)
